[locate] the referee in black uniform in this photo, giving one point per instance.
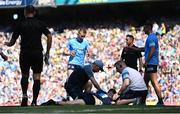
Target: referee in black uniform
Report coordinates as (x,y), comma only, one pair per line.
(131,56)
(31,56)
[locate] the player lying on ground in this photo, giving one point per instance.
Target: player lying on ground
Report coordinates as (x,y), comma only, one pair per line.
(98,98)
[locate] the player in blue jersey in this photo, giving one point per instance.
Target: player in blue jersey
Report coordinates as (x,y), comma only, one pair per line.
(152,61)
(76,50)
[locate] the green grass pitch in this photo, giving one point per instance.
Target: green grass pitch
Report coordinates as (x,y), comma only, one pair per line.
(91,109)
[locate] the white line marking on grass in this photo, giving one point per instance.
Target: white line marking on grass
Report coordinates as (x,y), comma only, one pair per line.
(112,109)
(99,110)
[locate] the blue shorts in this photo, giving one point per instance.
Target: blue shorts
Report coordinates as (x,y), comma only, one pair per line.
(151,69)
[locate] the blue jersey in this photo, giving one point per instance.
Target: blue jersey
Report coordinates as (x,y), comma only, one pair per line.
(80,50)
(88,69)
(102,95)
(152,41)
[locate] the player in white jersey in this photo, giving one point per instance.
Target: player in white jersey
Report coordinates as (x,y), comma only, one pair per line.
(133,85)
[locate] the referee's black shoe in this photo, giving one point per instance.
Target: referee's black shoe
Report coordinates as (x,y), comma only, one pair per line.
(33,103)
(24,101)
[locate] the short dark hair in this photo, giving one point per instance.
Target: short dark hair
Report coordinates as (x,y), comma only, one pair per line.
(83,30)
(30,9)
(130,36)
(119,62)
(113,91)
(148,25)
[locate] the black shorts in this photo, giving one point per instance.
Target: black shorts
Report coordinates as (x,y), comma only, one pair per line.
(151,69)
(73,91)
(88,98)
(33,60)
(130,94)
(73,67)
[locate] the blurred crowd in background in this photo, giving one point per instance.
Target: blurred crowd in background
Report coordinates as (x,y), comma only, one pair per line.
(106,43)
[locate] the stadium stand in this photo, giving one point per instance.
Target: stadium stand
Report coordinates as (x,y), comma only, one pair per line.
(106,32)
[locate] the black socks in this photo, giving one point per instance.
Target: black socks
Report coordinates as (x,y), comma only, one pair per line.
(36,88)
(24,85)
